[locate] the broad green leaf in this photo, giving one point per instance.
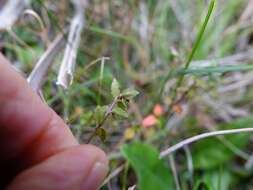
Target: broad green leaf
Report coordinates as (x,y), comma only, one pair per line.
(151,171)
(130,93)
(212,152)
(120,112)
(102,134)
(115,91)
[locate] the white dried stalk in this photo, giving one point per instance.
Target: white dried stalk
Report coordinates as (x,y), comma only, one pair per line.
(65,76)
(39,72)
(36,16)
(202,136)
(11,12)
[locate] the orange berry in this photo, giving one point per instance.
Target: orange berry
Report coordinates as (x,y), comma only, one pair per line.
(158,110)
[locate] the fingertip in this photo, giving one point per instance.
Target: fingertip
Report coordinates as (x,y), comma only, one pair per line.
(100,154)
(81,167)
(98,170)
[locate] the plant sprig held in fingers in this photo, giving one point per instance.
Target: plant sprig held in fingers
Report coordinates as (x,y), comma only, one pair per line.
(118,107)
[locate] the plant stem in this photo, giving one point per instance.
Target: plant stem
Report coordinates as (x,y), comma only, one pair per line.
(202,136)
(195,47)
(107,114)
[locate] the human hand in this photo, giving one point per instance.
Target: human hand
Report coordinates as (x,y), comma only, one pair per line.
(37,149)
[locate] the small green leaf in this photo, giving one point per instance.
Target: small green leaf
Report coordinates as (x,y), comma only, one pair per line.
(122,104)
(120,112)
(130,93)
(115,90)
(101,133)
(99,113)
(151,171)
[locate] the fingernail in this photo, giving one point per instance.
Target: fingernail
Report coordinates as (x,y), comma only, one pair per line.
(96,176)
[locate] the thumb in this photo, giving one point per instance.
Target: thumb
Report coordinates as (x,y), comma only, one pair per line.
(82,168)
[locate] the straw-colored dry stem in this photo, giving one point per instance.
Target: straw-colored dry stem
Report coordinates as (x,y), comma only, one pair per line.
(202,136)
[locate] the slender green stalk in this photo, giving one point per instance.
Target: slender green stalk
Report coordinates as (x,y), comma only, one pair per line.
(195,47)
(212,69)
(124,182)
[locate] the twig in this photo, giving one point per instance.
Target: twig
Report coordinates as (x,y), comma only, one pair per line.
(65,75)
(39,72)
(202,136)
(113,174)
(37,17)
(107,114)
(11,12)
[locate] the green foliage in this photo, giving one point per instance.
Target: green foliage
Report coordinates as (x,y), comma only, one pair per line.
(211,153)
(102,134)
(115,89)
(27,56)
(152,172)
(129,93)
(194,49)
(215,69)
(118,108)
(120,112)
(218,179)
(201,185)
(99,113)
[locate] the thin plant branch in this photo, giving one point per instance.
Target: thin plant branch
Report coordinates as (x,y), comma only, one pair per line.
(202,136)
(113,174)
(18,39)
(11,12)
(39,72)
(65,76)
(37,17)
(106,116)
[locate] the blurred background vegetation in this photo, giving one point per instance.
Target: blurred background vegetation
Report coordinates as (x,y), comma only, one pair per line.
(144,41)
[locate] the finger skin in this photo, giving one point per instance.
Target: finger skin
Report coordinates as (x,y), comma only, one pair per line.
(70,169)
(25,119)
(30,132)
